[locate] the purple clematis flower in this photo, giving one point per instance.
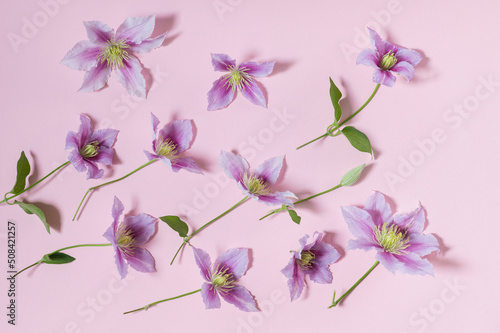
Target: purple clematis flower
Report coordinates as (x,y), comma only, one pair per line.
(90,148)
(256,184)
(220,279)
(105,51)
(170,142)
(126,238)
(398,239)
(388,58)
(311,259)
(224,89)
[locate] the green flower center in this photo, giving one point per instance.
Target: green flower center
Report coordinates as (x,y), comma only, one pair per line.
(223,281)
(392,239)
(237,77)
(125,238)
(90,150)
(306,260)
(254,184)
(114,53)
(388,61)
(166,148)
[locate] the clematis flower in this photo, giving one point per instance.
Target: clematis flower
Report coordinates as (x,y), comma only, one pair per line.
(238,77)
(311,259)
(126,237)
(388,58)
(172,140)
(105,51)
(90,148)
(220,279)
(398,239)
(256,184)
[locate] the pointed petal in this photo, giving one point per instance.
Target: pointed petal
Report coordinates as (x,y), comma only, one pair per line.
(252,92)
(413,222)
(240,297)
(380,210)
(236,260)
(270,170)
(143,227)
(116,211)
(98,32)
(368,57)
(222,62)
(410,56)
(120,263)
(320,274)
(178,131)
(186,163)
(389,261)
(93,172)
(325,254)
(221,94)
(148,45)
(384,77)
(154,122)
(422,245)
(362,244)
(210,296)
(104,156)
(72,141)
(110,235)
(82,57)
(359,221)
(234,165)
(413,264)
(77,161)
(131,78)
(295,278)
(377,42)
(136,29)
(151,156)
(202,259)
(104,137)
(141,260)
(95,78)
(278,198)
(405,69)
(257,70)
(167,162)
(85,130)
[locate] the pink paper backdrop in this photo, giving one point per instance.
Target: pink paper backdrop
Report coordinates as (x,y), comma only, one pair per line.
(435,142)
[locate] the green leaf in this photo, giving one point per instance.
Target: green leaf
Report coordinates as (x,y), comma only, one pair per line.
(357,139)
(57,258)
(352,176)
(335,95)
(177,224)
(23,170)
(32,209)
(293,214)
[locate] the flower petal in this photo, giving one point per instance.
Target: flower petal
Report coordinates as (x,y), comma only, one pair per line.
(104,156)
(148,45)
(178,131)
(413,264)
(141,260)
(362,244)
(120,263)
(72,141)
(368,57)
(389,261)
(234,165)
(210,296)
(95,78)
(85,131)
(93,171)
(412,222)
(325,254)
(422,245)
(320,274)
(257,70)
(240,297)
(270,169)
(377,42)
(83,56)
(202,259)
(77,161)
(222,62)
(410,56)
(221,94)
(186,163)
(236,260)
(359,221)
(295,278)
(143,226)
(151,156)
(380,211)
(104,137)
(98,32)
(384,77)
(154,122)
(131,78)
(116,211)
(278,198)
(166,161)
(404,69)
(136,29)
(252,92)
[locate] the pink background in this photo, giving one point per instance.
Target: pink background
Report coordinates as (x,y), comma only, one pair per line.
(455,178)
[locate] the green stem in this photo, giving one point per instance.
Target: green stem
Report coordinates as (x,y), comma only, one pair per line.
(163,300)
(377,86)
(334,303)
(64,248)
(38,182)
(110,182)
(186,240)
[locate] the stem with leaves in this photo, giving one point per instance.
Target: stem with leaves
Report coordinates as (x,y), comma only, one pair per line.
(163,300)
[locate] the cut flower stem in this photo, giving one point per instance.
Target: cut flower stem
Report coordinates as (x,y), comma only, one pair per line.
(163,300)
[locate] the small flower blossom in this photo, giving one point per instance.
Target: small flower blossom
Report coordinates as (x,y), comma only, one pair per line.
(238,77)
(388,58)
(105,51)
(172,140)
(311,259)
(126,238)
(256,184)
(90,148)
(220,279)
(398,239)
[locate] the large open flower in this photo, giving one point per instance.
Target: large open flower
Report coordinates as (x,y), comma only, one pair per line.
(311,259)
(127,237)
(388,58)
(172,140)
(398,239)
(105,51)
(90,148)
(256,184)
(220,279)
(238,77)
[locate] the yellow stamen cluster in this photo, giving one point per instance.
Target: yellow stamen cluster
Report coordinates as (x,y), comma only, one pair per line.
(306,260)
(223,281)
(254,184)
(388,61)
(392,239)
(237,77)
(114,53)
(90,150)
(125,238)
(166,148)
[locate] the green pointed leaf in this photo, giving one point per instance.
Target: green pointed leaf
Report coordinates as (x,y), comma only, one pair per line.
(335,96)
(352,176)
(23,170)
(177,224)
(57,258)
(357,139)
(32,209)
(293,214)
